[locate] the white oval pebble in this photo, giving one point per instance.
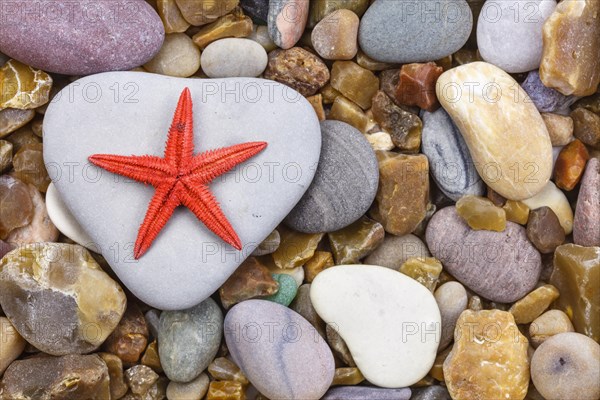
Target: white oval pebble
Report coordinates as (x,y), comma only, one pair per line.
(390,322)
(65,222)
(233,57)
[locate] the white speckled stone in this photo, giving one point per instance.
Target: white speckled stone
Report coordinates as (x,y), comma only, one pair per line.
(186,263)
(390,322)
(509,33)
(64,221)
(233,57)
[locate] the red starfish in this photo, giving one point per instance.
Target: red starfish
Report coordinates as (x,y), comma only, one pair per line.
(181,178)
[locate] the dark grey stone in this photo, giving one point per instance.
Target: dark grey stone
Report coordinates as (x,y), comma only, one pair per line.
(546,99)
(345,183)
(278,350)
(431,393)
(257,9)
(81,38)
(188,340)
(366,393)
(407,31)
(450,162)
(500,266)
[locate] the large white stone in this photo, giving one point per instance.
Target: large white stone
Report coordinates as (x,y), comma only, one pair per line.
(390,322)
(509,33)
(130,113)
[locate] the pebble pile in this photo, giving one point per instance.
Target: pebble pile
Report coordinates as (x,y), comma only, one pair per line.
(424,223)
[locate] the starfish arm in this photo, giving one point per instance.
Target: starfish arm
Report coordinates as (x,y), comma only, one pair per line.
(203,204)
(161,207)
(180,142)
(207,166)
(147,169)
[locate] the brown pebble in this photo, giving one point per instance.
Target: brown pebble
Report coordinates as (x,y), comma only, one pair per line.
(130,337)
(587,127)
(404,127)
(251,279)
(319,262)
(297,68)
(570,165)
(417,85)
(316,102)
(560,128)
(544,230)
(355,82)
(335,37)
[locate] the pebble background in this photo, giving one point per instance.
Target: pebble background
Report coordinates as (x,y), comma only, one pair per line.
(443,244)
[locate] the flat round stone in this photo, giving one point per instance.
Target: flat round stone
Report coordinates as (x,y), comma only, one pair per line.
(234,57)
(390,322)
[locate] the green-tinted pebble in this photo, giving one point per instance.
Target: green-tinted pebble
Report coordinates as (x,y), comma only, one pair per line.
(287,290)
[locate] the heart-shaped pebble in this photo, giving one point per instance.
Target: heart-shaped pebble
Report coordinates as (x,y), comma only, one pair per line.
(129,113)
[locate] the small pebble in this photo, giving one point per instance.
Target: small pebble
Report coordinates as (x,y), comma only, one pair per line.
(171,16)
(335,36)
(151,357)
(297,68)
(12,344)
(451,298)
(251,279)
(188,340)
(295,248)
(544,230)
(347,376)
(546,99)
(534,304)
(431,393)
(570,165)
(354,82)
(567,366)
(320,261)
(194,390)
(233,57)
(425,270)
(130,337)
(560,128)
(261,36)
(231,25)
(366,392)
(516,211)
(320,9)
(554,198)
(587,127)
(348,160)
(480,213)
(201,12)
(548,324)
(6,155)
(28,164)
(286,21)
(286,292)
(349,112)
(17,207)
(269,245)
(416,86)
(303,306)
(117,384)
(225,370)
(12,119)
(178,56)
(586,223)
(405,128)
(396,250)
(354,242)
(381,141)
(257,9)
(140,379)
(225,390)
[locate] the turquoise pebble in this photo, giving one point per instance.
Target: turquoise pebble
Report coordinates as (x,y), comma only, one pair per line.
(287,290)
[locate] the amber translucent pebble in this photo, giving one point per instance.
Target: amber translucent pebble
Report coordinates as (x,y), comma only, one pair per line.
(481,214)
(225,390)
(295,248)
(349,112)
(534,304)
(570,165)
(347,376)
(516,211)
(200,12)
(16,207)
(231,25)
(356,241)
(171,16)
(355,82)
(425,270)
(223,369)
(319,262)
(23,87)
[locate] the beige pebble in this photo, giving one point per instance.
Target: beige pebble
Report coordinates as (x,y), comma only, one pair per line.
(178,56)
(11,344)
(560,128)
(194,390)
(548,324)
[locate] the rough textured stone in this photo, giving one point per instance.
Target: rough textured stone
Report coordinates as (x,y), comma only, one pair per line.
(425,270)
(257,9)
(140,379)
(586,223)
(544,98)
(414,31)
(570,61)
(28,164)
(225,390)
(353,243)
(76,39)
(567,366)
(416,86)
(349,112)
(560,128)
(570,165)
(23,87)
(72,305)
(151,357)
(233,57)
(117,384)
(451,298)
(225,370)
(286,21)
(130,337)
(586,127)
(47,378)
(298,69)
(544,230)
(500,266)
(295,249)
(371,306)
(251,279)
(188,340)
(287,289)
(509,35)
(317,263)
(111,209)
(11,344)
(575,275)
(404,127)
(398,209)
(451,165)
(178,56)
(395,250)
(515,163)
(548,324)
(284,363)
(344,185)
(335,36)
(487,363)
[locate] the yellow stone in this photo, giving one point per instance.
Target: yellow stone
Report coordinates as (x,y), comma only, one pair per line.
(225,390)
(549,324)
(347,111)
(355,82)
(425,270)
(484,103)
(231,25)
(319,262)
(347,376)
(30,168)
(367,62)
(316,102)
(171,16)
(571,56)
(516,211)
(200,12)
(489,358)
(576,275)
(223,369)
(356,241)
(329,94)
(437,370)
(151,357)
(295,248)
(481,214)
(534,304)
(23,87)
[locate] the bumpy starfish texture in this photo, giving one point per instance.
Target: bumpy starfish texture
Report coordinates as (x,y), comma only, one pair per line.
(181,178)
